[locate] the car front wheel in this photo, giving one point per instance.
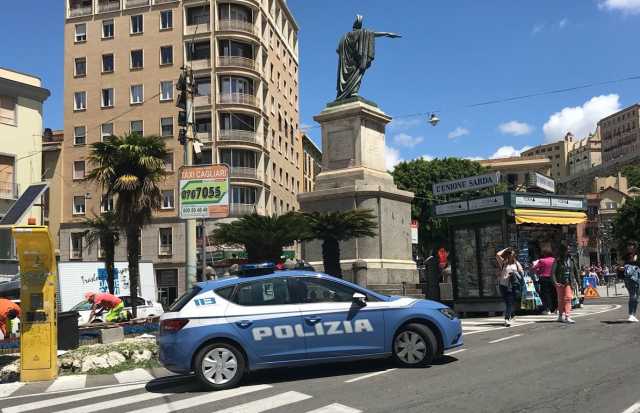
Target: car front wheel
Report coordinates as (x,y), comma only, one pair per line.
(219,366)
(414,346)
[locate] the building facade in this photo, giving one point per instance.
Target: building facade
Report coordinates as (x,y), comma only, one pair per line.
(516,170)
(586,154)
(620,134)
(557,152)
(122,61)
(21,100)
(312,163)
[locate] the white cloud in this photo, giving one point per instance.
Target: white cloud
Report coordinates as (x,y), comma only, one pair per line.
(563,23)
(405,123)
(391,157)
(580,120)
(427,157)
(537,28)
(625,6)
(515,128)
(474,158)
(508,152)
(408,141)
(458,132)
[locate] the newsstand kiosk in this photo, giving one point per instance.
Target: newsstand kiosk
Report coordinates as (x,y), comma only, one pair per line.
(480,227)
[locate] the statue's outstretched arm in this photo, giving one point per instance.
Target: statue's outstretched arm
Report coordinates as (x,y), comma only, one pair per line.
(387,34)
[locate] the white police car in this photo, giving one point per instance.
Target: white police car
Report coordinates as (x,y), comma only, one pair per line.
(222,329)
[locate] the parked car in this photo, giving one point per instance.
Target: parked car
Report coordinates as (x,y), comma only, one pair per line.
(146,309)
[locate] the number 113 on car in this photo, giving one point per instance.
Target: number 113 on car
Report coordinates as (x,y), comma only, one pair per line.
(204,191)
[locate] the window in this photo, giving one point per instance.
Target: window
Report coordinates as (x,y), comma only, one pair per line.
(167,199)
(107,63)
(79,135)
(81,33)
(168,162)
(198,50)
(78,205)
(137,59)
(78,170)
(80,101)
(166,55)
(274,291)
(8,110)
(136,24)
(80,67)
(313,290)
(107,29)
(106,130)
(106,203)
(243,195)
(107,98)
(137,127)
(165,241)
(75,247)
(166,90)
(166,127)
(197,15)
(166,19)
(137,94)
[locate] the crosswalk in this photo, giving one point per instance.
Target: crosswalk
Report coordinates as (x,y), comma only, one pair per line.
(483,325)
(137,398)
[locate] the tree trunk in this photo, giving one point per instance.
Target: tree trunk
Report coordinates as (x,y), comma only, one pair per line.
(108,265)
(133,257)
(331,257)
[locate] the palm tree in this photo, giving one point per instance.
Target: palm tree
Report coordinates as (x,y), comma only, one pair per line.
(131,168)
(263,237)
(105,229)
(333,227)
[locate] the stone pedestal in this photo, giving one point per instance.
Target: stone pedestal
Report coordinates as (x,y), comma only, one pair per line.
(354,176)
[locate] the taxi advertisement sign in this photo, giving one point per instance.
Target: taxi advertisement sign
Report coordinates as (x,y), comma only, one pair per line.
(204,191)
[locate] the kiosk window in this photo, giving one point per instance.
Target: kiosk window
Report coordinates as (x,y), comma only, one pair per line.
(466,262)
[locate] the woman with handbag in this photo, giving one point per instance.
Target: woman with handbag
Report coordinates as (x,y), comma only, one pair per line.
(509,277)
(565,278)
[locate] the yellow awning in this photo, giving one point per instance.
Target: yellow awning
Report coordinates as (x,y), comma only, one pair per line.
(549,217)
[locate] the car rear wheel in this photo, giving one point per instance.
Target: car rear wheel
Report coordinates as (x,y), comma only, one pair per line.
(414,345)
(220,366)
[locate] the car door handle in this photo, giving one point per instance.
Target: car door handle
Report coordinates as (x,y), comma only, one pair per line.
(244,323)
(313,320)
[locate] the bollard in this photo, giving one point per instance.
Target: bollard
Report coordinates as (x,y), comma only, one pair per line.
(360,273)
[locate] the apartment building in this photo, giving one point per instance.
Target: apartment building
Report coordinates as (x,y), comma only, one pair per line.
(21,100)
(122,60)
(312,163)
(586,154)
(557,152)
(515,170)
(620,134)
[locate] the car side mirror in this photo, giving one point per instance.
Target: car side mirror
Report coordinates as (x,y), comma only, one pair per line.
(360,299)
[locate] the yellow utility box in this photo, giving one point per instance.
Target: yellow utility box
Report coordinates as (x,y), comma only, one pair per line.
(38,324)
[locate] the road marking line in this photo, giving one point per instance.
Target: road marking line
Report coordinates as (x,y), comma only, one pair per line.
(455,352)
(335,408)
(633,409)
(366,376)
(8,389)
(135,375)
(505,338)
(476,328)
(614,307)
(269,403)
(48,403)
(117,402)
(200,400)
(68,383)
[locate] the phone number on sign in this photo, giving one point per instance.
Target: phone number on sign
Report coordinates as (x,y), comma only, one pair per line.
(210,192)
(195,210)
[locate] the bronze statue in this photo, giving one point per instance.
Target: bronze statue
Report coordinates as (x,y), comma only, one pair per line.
(356,51)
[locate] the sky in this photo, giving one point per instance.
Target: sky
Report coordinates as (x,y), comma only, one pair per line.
(452,55)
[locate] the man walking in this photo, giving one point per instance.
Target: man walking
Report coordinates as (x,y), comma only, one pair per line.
(9,311)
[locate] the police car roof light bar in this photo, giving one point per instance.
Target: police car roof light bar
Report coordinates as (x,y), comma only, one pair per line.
(254,270)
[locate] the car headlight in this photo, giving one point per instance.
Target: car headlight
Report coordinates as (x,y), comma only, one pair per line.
(449,313)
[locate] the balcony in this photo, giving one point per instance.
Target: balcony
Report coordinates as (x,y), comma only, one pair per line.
(236,25)
(137,3)
(199,28)
(200,64)
(8,190)
(236,61)
(238,135)
(77,9)
(243,172)
(203,100)
(164,1)
(240,210)
(238,98)
(108,6)
(204,137)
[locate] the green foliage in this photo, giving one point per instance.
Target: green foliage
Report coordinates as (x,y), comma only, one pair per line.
(262,237)
(105,229)
(418,176)
(626,224)
(333,227)
(632,172)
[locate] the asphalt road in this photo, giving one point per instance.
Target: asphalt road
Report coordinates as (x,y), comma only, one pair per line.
(544,366)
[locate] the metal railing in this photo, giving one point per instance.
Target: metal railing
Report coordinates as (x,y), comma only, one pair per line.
(236,61)
(80,11)
(165,250)
(204,136)
(239,210)
(238,135)
(109,5)
(243,172)
(137,3)
(8,190)
(240,98)
(237,25)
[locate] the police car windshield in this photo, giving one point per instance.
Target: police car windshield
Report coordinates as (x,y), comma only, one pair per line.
(184,299)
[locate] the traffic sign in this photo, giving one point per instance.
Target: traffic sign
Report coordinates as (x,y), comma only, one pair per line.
(590,293)
(204,191)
